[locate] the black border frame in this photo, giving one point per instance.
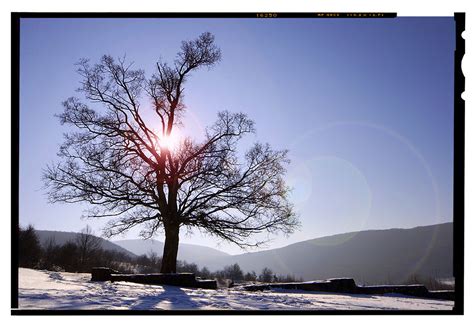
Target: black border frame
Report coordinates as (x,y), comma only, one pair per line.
(458,175)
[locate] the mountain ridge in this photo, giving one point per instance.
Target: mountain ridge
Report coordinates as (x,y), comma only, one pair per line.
(62,237)
(368,256)
(345,234)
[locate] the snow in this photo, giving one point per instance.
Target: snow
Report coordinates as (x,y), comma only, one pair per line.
(53,290)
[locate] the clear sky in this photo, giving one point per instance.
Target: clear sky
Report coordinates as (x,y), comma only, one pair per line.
(364,106)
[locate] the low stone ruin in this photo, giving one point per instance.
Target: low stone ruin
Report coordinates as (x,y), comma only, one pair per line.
(337,285)
(102,274)
(348,285)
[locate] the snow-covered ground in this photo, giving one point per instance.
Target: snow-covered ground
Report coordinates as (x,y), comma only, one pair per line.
(53,290)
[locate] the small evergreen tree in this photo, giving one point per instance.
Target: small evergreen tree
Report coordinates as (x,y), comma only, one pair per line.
(29,248)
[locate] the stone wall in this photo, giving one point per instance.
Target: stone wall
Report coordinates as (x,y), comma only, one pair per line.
(347,285)
(337,285)
(178,279)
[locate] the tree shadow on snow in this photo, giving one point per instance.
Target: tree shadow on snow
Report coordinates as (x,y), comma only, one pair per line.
(172,298)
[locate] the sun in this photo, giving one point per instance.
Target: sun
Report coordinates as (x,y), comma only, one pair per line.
(170,142)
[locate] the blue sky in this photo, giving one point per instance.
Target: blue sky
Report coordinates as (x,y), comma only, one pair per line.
(364,106)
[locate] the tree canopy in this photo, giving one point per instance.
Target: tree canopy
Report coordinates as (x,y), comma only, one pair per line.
(118,158)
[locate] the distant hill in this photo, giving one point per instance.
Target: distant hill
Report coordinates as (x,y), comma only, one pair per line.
(190,253)
(61,238)
(372,257)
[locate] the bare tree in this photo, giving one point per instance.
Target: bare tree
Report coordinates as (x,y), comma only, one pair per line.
(234,272)
(266,275)
(119,160)
(49,254)
(87,244)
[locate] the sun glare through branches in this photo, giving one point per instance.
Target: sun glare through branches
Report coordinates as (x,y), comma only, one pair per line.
(170,142)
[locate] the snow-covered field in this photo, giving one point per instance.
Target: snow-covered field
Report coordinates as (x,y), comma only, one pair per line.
(52,290)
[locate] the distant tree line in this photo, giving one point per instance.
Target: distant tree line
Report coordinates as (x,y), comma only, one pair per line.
(85,252)
(78,255)
(430,282)
(235,273)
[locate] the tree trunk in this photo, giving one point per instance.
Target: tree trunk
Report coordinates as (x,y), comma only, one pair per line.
(170,251)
